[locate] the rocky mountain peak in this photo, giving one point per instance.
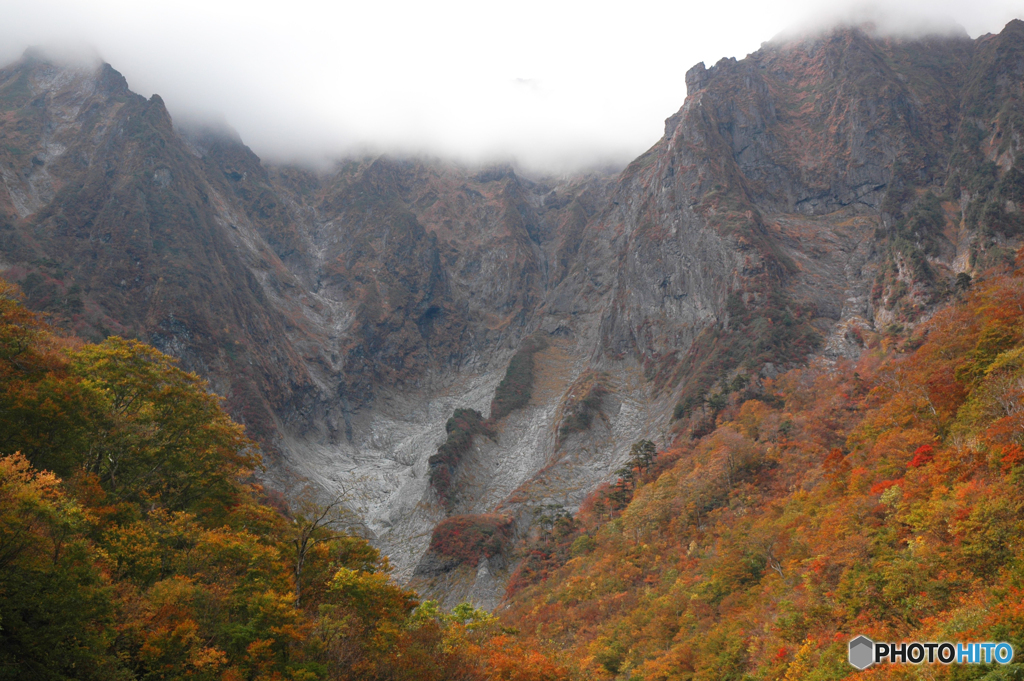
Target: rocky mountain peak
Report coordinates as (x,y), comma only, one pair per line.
(112,82)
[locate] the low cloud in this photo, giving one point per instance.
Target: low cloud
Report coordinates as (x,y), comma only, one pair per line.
(557,86)
(880,20)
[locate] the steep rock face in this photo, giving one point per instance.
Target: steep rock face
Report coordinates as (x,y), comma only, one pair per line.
(114,228)
(772,179)
(816,191)
(444,269)
(818,125)
(801,197)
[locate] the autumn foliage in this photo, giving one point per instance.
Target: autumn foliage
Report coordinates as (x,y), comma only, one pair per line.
(470,538)
(881,497)
(134,543)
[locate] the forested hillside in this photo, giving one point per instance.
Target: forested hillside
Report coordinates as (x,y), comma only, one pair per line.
(134,543)
(882,496)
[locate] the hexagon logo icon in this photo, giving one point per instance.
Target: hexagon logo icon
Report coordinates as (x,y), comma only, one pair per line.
(862,652)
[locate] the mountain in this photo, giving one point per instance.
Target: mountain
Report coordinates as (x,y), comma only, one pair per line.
(822,190)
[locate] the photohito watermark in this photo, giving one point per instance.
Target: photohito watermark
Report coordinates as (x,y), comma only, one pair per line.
(864,652)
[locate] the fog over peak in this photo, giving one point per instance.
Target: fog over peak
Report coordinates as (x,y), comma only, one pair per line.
(67,54)
(890,21)
(557,86)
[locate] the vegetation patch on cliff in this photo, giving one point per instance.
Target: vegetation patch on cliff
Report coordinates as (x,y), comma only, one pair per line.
(470,538)
(516,388)
(461,427)
(777,332)
(582,406)
(907,282)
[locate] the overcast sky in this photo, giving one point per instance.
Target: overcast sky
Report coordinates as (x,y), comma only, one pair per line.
(553,84)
